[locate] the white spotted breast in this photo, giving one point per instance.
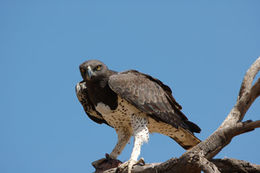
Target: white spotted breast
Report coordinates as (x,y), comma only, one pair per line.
(121,116)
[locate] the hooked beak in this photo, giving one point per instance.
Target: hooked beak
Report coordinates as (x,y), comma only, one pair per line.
(89,73)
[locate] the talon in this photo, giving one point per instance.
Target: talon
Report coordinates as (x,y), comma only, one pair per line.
(129,165)
(121,167)
(118,170)
(140,162)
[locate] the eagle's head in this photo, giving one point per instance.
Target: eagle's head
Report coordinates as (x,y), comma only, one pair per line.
(93,70)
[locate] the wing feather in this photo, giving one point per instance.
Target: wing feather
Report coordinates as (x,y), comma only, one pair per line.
(82,94)
(150,95)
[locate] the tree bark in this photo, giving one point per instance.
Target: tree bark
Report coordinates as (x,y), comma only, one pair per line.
(200,157)
(226,165)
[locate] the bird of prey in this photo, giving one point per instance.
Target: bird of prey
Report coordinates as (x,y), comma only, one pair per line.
(134,104)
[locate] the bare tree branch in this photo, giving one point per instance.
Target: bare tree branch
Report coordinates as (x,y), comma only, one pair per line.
(249,78)
(223,135)
(225,165)
(256,88)
(246,97)
(228,165)
(207,166)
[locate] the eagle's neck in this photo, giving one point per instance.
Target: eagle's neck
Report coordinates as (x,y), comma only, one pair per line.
(100,92)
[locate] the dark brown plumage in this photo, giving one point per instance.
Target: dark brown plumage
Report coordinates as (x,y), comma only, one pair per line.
(151,96)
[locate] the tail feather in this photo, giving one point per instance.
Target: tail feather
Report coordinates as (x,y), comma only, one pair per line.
(193,127)
(185,138)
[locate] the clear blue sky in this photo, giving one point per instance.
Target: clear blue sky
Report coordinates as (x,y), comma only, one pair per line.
(200,49)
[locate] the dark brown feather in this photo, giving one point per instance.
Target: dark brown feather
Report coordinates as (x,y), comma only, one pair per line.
(150,95)
(88,106)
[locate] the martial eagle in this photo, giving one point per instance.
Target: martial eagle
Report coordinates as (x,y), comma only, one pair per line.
(134,104)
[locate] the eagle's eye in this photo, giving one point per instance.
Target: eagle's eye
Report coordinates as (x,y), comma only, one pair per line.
(98,68)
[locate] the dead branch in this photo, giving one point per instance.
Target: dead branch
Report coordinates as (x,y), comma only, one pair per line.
(225,165)
(228,165)
(246,97)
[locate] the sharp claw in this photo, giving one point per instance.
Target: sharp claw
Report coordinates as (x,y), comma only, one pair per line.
(140,162)
(129,165)
(123,166)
